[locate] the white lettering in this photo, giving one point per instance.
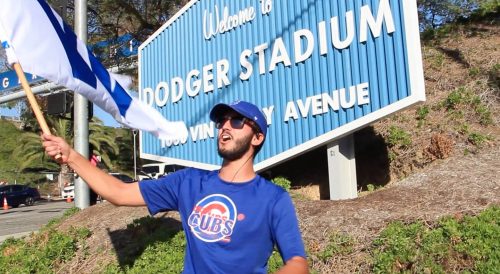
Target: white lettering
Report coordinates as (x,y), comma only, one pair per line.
(269,114)
(5,82)
(316,105)
(148,96)
(322,103)
(213,24)
(337,43)
(162,86)
(279,55)
(208,76)
(195,84)
(262,60)
(301,55)
(304,107)
(363,94)
(384,12)
(202,131)
(323,45)
(246,65)
(347,102)
(222,70)
(291,112)
(177,89)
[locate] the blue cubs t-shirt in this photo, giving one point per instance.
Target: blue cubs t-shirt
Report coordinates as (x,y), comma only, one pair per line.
(230,227)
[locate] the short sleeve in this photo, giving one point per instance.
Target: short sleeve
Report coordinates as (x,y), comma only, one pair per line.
(286,228)
(162,194)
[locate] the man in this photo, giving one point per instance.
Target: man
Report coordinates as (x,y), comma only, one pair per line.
(232,217)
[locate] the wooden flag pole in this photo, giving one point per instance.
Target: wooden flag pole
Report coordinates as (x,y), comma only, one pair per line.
(33,103)
(31,99)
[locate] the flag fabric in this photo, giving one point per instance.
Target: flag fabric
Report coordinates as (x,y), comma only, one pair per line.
(35,36)
(11,57)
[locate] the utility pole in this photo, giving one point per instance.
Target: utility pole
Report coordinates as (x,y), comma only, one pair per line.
(81,104)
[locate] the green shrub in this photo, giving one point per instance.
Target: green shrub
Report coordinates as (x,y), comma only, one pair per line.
(283,182)
(422,113)
(398,137)
(454,99)
(474,71)
(468,245)
(275,262)
(43,252)
(338,244)
(484,115)
(477,139)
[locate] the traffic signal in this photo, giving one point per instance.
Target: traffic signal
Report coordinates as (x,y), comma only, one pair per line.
(62,103)
(59,103)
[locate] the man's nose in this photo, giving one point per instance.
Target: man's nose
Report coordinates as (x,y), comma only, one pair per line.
(226,124)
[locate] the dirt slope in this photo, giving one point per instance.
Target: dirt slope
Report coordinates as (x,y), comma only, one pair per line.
(455,186)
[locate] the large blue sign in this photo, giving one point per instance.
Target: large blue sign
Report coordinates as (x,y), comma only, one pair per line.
(9,80)
(318,70)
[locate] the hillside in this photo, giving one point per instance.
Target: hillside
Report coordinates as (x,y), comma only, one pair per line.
(441,158)
(9,166)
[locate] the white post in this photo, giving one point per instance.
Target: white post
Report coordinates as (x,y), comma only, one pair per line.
(342,169)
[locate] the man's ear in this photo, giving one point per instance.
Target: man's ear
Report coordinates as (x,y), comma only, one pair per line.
(257,139)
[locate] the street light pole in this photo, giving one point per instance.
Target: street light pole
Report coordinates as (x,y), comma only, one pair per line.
(134,132)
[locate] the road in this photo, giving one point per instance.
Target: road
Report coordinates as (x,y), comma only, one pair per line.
(21,221)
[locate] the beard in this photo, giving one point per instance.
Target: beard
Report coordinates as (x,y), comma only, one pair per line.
(240,148)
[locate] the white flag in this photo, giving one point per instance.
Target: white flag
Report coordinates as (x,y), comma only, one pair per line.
(37,38)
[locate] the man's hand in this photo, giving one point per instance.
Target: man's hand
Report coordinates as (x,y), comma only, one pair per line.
(56,148)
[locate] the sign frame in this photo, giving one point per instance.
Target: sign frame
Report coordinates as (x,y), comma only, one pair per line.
(416,91)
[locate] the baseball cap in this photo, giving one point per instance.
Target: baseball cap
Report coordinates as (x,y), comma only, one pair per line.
(245,109)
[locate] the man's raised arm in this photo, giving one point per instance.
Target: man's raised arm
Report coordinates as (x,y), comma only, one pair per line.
(110,188)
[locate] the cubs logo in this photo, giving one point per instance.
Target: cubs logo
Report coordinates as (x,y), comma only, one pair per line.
(213,218)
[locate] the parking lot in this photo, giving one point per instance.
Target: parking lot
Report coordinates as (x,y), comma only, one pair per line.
(21,221)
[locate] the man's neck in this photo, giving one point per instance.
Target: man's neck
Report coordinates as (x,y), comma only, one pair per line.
(238,171)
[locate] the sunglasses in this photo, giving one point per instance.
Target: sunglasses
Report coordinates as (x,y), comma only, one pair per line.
(236,122)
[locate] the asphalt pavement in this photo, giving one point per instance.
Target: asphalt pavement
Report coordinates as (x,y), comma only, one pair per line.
(21,221)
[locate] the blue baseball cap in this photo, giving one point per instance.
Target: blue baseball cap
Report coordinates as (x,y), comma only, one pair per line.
(245,109)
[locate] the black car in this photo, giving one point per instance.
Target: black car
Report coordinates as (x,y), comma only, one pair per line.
(122,177)
(19,194)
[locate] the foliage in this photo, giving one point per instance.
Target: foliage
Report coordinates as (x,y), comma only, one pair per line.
(338,244)
(9,165)
(470,244)
(161,250)
(275,262)
(398,137)
(102,142)
(43,252)
(477,139)
(435,13)
(422,113)
(282,182)
(463,99)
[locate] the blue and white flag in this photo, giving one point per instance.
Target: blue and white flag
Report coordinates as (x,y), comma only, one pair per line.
(37,38)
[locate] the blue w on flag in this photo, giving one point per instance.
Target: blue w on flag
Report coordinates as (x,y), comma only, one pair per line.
(37,38)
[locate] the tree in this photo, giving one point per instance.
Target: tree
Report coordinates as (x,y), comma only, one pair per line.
(3,61)
(102,142)
(30,154)
(435,13)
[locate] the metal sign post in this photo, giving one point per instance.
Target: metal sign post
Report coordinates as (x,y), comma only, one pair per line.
(81,126)
(342,169)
